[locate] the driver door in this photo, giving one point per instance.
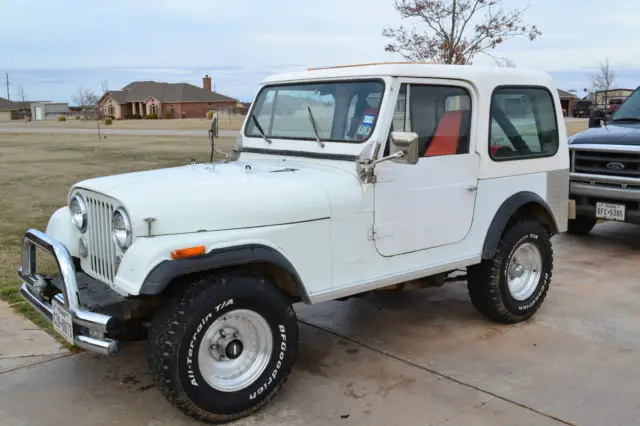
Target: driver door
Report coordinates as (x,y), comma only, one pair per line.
(431,203)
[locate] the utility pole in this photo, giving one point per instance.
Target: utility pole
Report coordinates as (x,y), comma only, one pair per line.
(6,74)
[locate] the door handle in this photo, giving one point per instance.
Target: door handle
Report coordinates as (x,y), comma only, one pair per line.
(472,188)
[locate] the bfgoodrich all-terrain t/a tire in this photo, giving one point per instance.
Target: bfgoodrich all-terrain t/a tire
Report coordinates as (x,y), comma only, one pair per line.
(223,346)
(512,286)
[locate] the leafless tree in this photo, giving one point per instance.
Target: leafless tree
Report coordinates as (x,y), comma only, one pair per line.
(86,100)
(603,80)
(21,95)
(455,30)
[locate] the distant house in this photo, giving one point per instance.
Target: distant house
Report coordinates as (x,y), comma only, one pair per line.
(12,110)
(605,96)
(48,110)
(176,100)
(568,101)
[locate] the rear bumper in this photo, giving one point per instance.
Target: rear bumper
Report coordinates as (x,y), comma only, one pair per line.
(89,328)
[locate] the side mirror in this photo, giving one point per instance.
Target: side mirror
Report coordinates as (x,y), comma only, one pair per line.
(595,118)
(213,134)
(407,143)
(214,125)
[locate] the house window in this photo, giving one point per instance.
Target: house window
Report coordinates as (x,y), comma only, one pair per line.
(153,109)
(111,110)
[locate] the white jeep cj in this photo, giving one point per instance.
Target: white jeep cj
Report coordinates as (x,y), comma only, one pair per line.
(343,181)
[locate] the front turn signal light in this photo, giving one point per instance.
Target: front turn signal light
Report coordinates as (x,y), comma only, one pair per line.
(187,252)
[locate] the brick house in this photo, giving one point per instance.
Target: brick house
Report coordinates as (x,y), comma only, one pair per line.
(174,100)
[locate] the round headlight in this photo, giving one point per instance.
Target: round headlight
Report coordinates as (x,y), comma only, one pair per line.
(78,209)
(121,226)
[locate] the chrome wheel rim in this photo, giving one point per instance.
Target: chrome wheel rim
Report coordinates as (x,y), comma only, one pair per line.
(523,271)
(235,350)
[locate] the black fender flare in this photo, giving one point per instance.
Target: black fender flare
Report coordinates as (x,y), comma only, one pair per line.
(506,211)
(168,270)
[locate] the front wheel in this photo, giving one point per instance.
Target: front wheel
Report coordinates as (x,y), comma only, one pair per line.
(223,347)
(512,286)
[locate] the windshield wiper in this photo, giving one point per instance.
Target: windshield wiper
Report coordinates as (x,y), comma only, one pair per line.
(259,127)
(315,126)
(632,119)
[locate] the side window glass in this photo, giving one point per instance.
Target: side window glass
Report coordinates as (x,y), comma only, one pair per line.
(441,116)
(523,124)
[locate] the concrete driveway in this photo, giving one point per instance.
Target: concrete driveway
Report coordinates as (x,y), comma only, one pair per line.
(414,358)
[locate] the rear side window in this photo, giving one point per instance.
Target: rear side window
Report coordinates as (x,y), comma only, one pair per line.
(523,124)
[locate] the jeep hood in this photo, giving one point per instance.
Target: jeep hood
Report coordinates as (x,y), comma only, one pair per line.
(614,134)
(213,197)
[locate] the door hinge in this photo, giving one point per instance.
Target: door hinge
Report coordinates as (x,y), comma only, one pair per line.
(372,233)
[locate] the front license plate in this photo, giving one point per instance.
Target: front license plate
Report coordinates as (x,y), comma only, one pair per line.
(62,321)
(610,211)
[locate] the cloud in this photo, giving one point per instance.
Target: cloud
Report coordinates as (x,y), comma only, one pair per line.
(243,41)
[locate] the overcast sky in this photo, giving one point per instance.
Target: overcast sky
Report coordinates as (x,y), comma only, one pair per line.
(52,47)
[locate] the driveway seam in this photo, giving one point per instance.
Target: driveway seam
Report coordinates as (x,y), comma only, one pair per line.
(473,407)
(37,363)
(437,373)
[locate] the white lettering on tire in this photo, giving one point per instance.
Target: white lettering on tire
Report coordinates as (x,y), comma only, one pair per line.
(274,374)
(192,343)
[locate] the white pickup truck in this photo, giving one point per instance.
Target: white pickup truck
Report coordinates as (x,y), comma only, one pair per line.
(343,181)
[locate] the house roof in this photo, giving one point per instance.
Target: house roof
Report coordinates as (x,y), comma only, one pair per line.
(566,95)
(6,104)
(141,91)
(615,90)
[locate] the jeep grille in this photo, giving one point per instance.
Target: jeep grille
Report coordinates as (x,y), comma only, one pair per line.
(606,163)
(102,251)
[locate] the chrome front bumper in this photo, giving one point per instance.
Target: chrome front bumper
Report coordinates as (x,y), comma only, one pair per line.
(89,328)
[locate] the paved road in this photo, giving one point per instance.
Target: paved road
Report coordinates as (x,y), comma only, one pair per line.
(109,131)
(415,358)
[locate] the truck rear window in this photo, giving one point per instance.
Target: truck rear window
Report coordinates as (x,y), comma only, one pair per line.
(523,124)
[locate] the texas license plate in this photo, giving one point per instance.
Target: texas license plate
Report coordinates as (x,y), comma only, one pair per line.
(62,321)
(610,211)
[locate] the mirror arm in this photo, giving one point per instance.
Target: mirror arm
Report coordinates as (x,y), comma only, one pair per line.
(366,171)
(397,154)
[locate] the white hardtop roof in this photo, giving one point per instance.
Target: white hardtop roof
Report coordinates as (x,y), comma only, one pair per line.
(471,73)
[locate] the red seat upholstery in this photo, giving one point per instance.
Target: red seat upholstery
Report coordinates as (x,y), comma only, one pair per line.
(445,140)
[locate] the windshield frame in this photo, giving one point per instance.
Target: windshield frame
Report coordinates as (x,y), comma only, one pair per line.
(284,84)
(615,116)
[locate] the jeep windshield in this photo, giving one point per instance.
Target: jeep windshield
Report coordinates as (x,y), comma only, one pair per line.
(342,111)
(629,111)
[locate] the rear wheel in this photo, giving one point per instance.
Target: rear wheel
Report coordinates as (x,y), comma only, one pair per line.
(581,225)
(512,286)
(224,346)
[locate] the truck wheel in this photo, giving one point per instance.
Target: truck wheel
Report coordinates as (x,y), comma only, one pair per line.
(512,286)
(223,346)
(581,225)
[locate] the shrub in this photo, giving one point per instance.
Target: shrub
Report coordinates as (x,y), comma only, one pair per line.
(136,116)
(209,115)
(152,116)
(168,115)
(62,118)
(108,120)
(77,117)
